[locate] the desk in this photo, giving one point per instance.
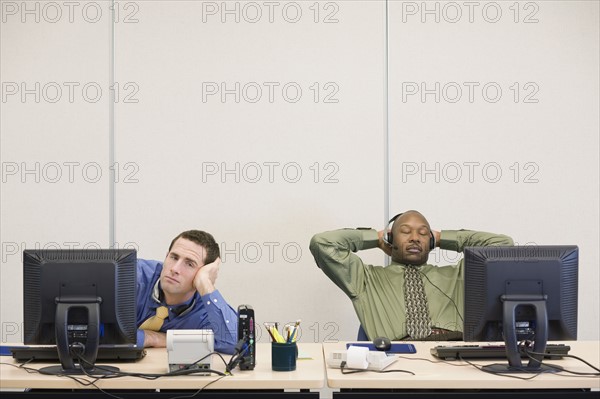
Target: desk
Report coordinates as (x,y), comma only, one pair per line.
(309,374)
(458,380)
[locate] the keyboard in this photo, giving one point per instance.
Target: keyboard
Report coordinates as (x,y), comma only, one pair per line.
(455,352)
(49,353)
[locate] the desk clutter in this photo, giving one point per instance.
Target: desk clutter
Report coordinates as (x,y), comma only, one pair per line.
(447,377)
(190,349)
(360,358)
(284,349)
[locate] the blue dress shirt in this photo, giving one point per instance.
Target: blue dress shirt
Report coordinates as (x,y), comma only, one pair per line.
(210,311)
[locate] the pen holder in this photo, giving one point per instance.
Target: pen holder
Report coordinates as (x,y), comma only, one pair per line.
(283,356)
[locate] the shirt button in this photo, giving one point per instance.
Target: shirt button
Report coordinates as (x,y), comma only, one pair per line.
(215,300)
(208,302)
(226,321)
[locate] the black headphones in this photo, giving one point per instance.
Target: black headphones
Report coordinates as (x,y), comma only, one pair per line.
(179,310)
(388,237)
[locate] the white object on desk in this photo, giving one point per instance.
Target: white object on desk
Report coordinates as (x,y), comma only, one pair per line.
(360,358)
(186,347)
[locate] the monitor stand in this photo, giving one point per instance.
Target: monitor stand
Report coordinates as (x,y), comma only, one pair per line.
(510,302)
(90,349)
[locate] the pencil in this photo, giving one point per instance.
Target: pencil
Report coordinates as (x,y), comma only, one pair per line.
(269,331)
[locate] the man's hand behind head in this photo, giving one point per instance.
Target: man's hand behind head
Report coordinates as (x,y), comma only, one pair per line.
(206,277)
(437,235)
(385,247)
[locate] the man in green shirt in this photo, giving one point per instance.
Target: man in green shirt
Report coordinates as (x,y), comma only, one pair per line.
(378,293)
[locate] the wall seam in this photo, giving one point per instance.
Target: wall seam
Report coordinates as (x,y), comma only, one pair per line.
(111,130)
(386,140)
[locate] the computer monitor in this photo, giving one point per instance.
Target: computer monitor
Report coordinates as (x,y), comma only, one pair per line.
(521,293)
(78,299)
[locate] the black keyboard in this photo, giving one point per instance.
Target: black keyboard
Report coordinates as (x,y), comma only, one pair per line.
(456,352)
(50,353)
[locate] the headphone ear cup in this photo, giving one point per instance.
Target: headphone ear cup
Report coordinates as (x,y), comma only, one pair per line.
(431,241)
(388,237)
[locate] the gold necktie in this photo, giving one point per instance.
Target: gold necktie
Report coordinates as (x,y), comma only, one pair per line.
(155,322)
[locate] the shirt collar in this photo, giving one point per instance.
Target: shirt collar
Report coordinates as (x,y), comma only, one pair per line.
(179,310)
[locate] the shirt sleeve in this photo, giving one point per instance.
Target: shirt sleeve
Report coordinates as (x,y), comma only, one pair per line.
(141,336)
(223,320)
(334,254)
(457,240)
(146,270)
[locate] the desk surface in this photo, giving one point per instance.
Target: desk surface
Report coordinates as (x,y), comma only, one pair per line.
(309,373)
(460,375)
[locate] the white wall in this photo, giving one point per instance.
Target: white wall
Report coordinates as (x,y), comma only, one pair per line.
(54,145)
(175,141)
(297,162)
(519,153)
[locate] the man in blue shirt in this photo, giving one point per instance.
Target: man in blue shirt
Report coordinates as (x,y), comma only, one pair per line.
(185,285)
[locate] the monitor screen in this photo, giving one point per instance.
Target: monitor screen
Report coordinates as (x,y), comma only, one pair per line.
(78,299)
(522,293)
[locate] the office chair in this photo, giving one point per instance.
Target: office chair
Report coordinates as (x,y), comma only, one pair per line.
(362,335)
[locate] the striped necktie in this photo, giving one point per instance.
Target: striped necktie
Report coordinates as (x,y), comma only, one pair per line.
(155,322)
(418,323)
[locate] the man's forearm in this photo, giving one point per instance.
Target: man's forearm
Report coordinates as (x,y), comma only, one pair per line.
(154,339)
(223,320)
(457,240)
(334,254)
(333,245)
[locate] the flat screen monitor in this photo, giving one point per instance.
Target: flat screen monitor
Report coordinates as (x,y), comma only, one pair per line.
(521,293)
(78,299)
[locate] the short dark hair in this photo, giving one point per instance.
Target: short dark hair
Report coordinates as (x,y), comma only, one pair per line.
(205,240)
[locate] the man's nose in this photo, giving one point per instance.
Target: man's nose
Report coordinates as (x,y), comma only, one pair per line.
(176,267)
(414,237)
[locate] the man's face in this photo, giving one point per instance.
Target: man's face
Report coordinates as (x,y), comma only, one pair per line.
(183,261)
(411,235)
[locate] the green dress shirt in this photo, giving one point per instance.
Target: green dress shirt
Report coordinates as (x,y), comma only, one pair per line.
(377,292)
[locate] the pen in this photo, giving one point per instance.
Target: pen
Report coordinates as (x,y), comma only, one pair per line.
(292,337)
(270,333)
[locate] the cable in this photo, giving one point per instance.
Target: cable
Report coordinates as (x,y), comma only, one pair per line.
(529,353)
(199,390)
(95,378)
(480,368)
(529,343)
(238,354)
(98,387)
(450,363)
(111,373)
(524,345)
(352,371)
(148,376)
(177,372)
(446,295)
(204,357)
(31,370)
